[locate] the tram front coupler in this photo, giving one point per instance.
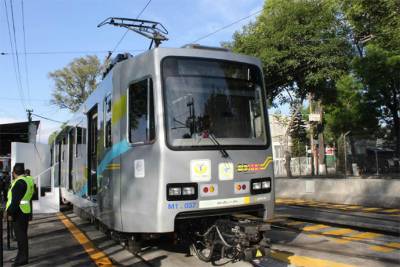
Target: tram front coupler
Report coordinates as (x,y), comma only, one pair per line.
(232,239)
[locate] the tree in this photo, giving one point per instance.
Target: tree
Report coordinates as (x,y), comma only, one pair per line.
(74,83)
(380,71)
(298,135)
(303,45)
(351,111)
(52,137)
(377,24)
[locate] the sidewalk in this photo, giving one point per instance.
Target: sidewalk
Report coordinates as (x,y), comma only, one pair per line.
(50,244)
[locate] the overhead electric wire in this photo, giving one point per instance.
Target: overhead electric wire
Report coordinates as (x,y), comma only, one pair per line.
(28,88)
(126,32)
(17,78)
(226,26)
(40,116)
(71,52)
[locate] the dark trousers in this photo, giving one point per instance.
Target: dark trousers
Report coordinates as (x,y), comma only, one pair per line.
(21,233)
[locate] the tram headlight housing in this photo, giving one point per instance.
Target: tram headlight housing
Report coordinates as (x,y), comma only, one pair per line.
(260,185)
(182,191)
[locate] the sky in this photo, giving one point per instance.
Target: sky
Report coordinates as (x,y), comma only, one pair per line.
(67,26)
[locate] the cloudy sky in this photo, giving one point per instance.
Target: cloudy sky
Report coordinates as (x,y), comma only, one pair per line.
(57,31)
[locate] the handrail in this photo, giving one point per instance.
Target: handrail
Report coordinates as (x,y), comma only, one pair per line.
(37,178)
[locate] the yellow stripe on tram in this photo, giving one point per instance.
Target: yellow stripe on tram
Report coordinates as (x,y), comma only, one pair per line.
(97,256)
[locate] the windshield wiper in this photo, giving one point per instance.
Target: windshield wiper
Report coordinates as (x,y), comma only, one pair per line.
(220,148)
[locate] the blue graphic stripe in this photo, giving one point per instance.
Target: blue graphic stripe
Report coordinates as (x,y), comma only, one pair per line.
(115,151)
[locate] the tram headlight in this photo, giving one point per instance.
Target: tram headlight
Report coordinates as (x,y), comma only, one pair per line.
(182,191)
(188,190)
(265,184)
(175,191)
(256,186)
(260,185)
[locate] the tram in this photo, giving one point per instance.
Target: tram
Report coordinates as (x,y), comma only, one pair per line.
(174,140)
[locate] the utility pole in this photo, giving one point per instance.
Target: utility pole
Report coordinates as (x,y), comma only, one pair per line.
(345,153)
(311,136)
(29,111)
(321,143)
(31,127)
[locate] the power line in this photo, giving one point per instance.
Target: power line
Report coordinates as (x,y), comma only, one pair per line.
(226,26)
(39,116)
(25,57)
(16,44)
(72,52)
(126,32)
(17,78)
(17,99)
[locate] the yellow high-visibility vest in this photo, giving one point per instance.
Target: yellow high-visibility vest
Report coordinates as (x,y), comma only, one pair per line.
(25,204)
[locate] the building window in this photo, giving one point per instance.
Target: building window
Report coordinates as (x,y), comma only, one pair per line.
(141,112)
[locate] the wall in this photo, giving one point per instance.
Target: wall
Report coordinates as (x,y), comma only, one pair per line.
(366,192)
(36,157)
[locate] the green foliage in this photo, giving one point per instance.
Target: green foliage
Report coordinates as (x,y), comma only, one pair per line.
(298,134)
(376,25)
(52,137)
(74,83)
(380,71)
(375,22)
(351,111)
(303,46)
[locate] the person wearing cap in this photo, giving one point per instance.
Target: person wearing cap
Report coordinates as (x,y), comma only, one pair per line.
(19,210)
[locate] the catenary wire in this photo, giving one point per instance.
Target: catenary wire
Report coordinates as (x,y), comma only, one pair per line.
(16,47)
(72,52)
(28,88)
(227,26)
(40,116)
(19,84)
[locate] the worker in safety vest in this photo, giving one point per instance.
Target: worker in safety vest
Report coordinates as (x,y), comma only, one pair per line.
(19,209)
(29,177)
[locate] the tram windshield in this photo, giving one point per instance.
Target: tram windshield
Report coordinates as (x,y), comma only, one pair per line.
(213,103)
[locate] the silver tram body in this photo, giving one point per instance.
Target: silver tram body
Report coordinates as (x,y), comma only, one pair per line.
(167,135)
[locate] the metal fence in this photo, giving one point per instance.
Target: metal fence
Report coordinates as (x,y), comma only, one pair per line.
(361,160)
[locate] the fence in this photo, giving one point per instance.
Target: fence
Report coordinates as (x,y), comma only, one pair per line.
(360,161)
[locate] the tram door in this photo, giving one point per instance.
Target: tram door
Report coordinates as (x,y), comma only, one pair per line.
(71,140)
(92,152)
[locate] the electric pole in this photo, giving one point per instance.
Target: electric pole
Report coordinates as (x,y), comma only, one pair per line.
(32,130)
(29,111)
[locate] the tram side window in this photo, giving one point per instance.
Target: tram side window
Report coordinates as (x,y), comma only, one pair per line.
(78,141)
(64,144)
(56,147)
(107,121)
(141,112)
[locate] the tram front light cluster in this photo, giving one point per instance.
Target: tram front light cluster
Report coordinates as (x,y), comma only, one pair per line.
(181,191)
(260,185)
